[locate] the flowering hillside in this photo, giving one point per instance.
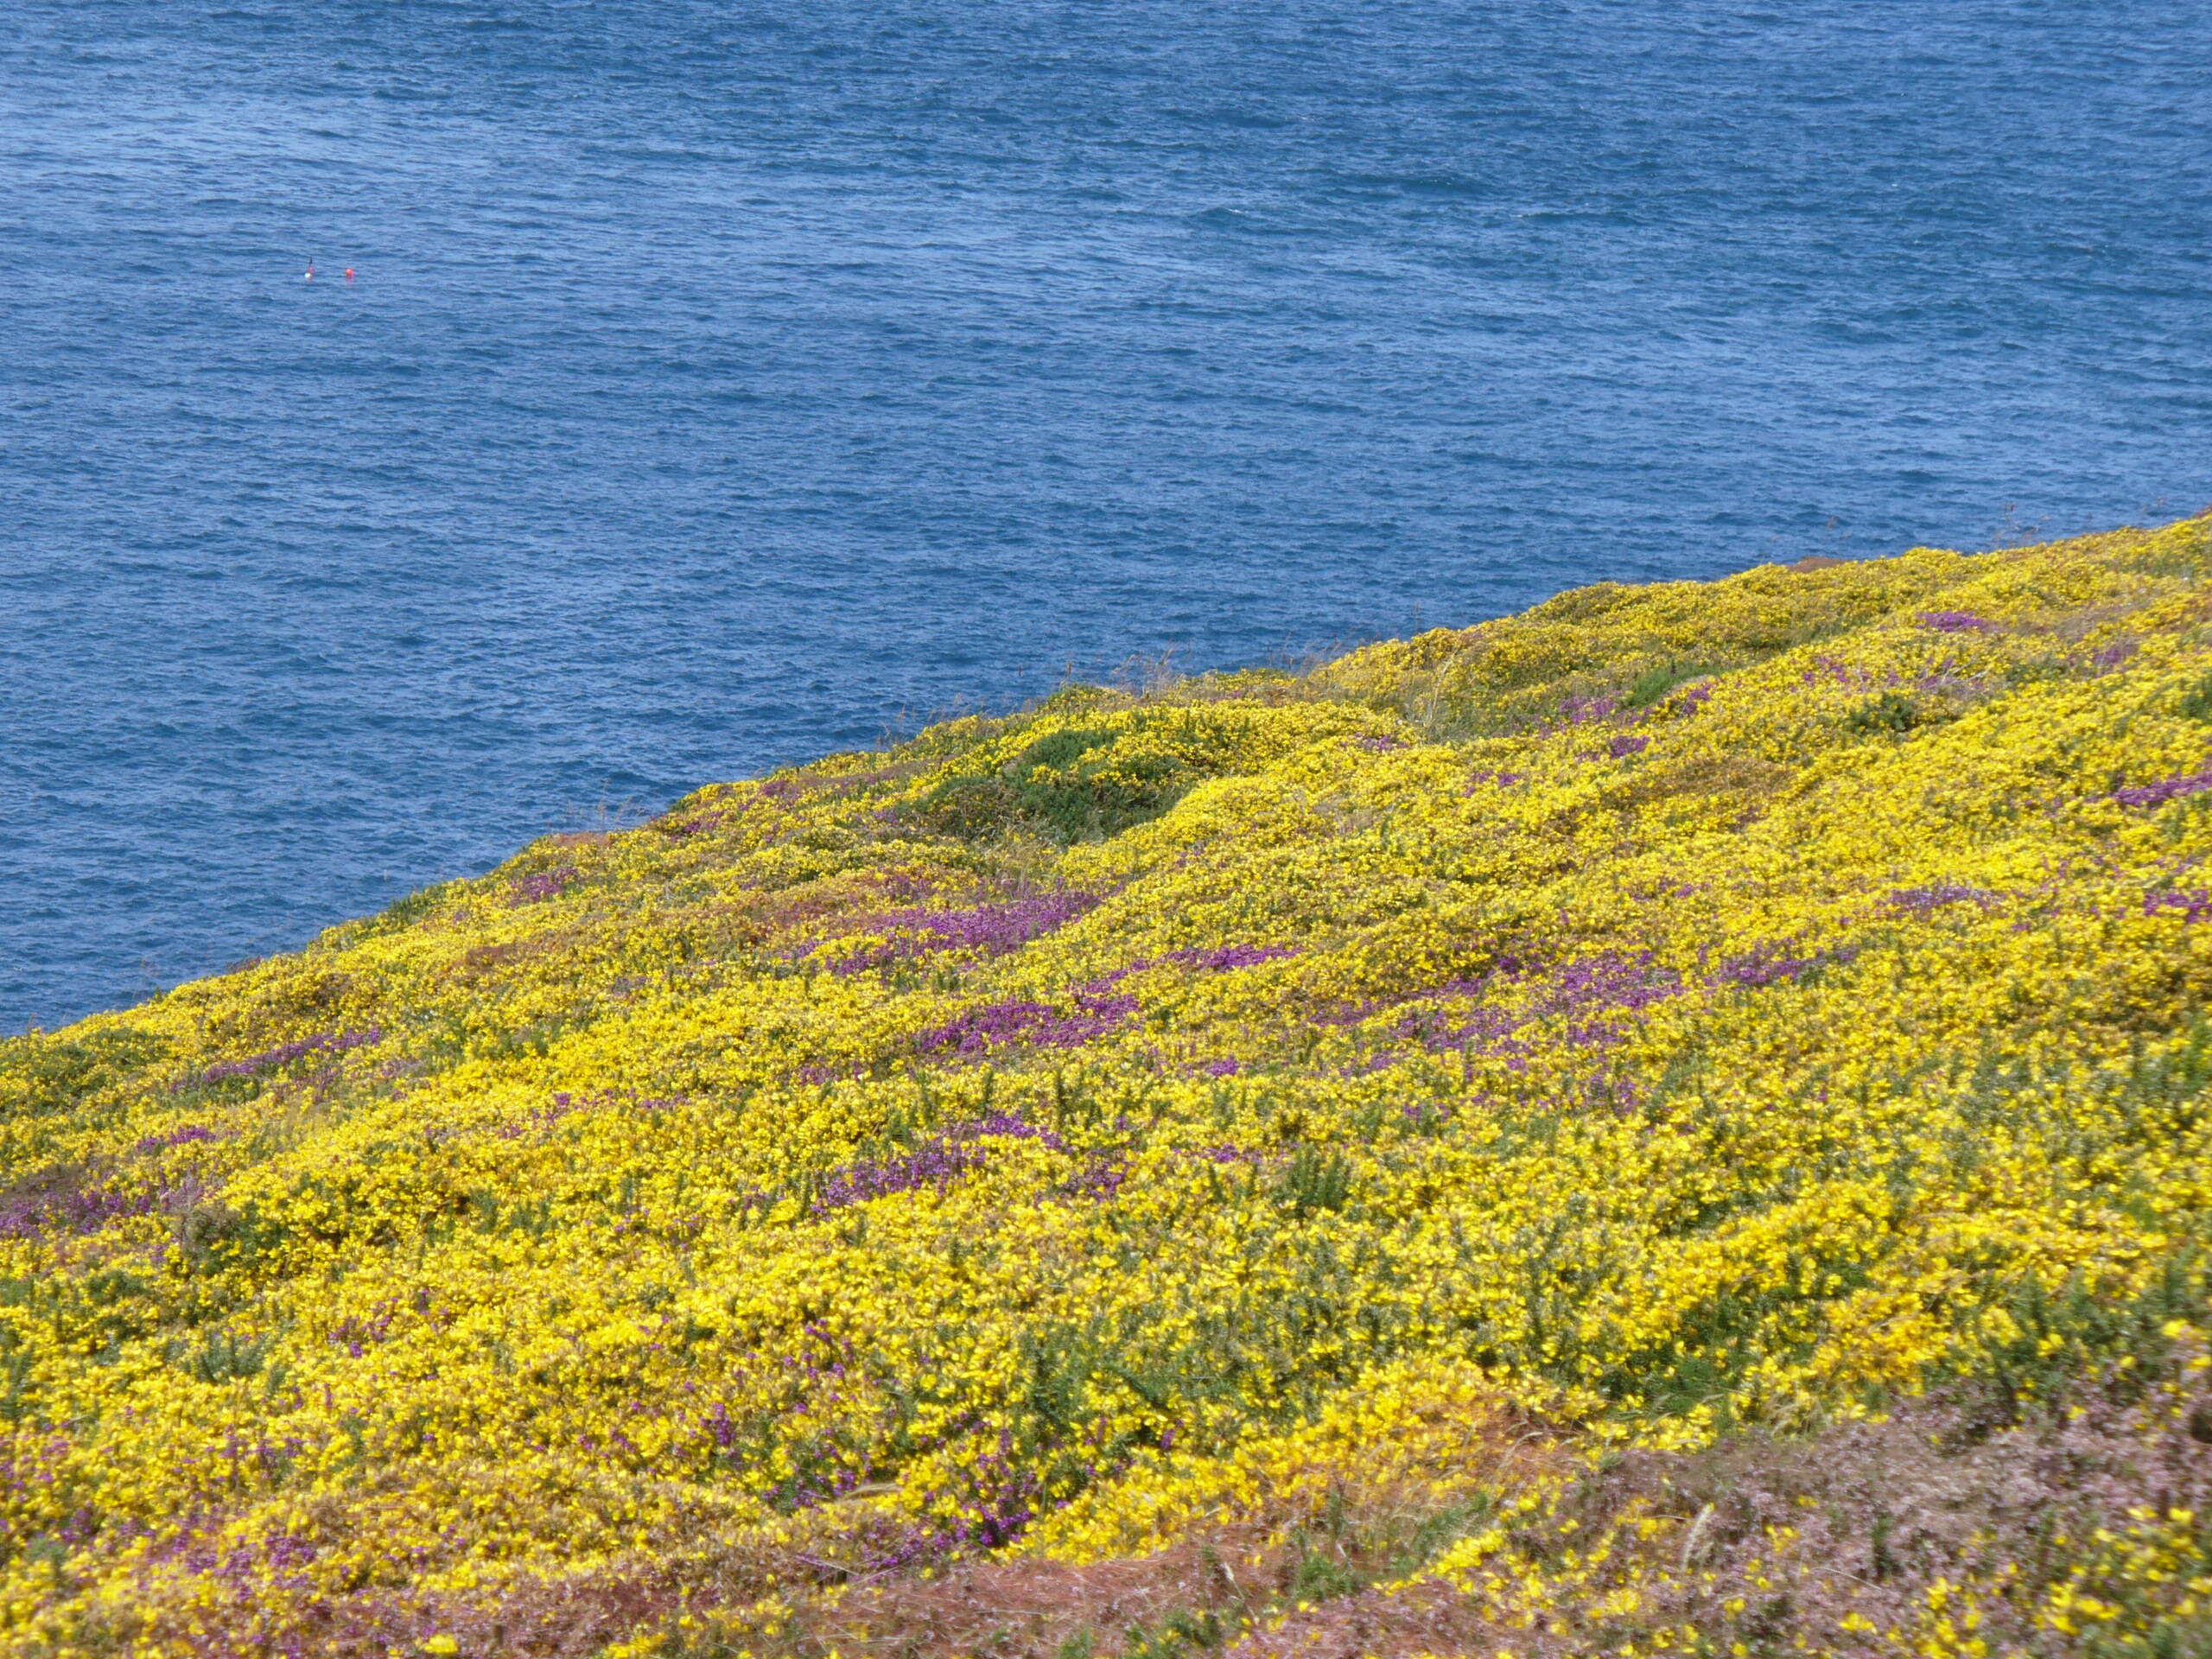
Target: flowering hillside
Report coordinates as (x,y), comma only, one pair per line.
(1672,1122)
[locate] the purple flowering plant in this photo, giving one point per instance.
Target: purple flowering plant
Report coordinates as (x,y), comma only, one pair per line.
(1039,1025)
(285,1053)
(989,930)
(941,1159)
(2194,904)
(2166,789)
(541,884)
(1921,901)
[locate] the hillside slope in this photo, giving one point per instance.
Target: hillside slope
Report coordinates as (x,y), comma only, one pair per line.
(1671,1123)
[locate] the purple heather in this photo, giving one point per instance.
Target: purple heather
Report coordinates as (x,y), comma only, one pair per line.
(991,929)
(1921,900)
(2194,905)
(2166,789)
(285,1053)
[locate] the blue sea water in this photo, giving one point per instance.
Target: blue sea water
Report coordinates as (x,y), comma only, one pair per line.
(721,384)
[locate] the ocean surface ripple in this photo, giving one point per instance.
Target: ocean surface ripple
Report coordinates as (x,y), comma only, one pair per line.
(721,385)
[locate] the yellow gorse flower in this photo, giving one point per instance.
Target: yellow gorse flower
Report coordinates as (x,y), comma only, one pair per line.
(1673,1008)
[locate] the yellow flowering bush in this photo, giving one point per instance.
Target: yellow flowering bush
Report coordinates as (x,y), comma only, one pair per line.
(1471,1091)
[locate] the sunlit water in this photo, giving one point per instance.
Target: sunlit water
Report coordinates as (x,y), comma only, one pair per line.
(721,384)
